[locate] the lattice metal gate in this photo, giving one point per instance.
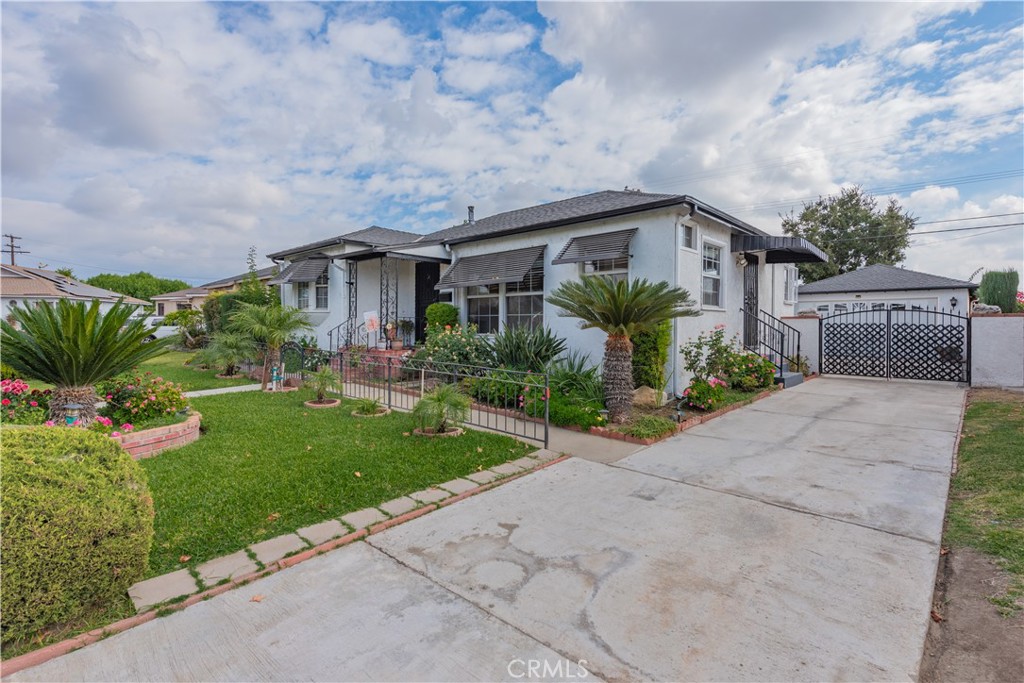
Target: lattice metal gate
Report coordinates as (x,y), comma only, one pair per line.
(897,344)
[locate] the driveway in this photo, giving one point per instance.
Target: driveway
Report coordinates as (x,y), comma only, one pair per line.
(795,539)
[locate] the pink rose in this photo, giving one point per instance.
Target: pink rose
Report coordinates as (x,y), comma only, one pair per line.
(114,434)
(49,423)
(127,426)
(6,402)
(34,404)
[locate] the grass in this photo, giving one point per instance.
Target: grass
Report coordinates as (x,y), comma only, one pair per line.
(171,366)
(266,465)
(986,508)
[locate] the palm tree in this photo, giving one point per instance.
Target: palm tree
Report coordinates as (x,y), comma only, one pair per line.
(621,309)
(75,347)
(271,325)
(227,349)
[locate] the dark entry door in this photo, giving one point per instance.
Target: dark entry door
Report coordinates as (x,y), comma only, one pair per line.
(427,275)
(750,302)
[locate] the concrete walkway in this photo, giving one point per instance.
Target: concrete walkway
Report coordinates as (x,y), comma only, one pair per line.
(794,539)
(222,390)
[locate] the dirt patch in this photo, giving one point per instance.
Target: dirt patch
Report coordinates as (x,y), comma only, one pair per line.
(995,396)
(972,642)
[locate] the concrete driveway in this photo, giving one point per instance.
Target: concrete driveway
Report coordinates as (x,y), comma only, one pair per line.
(795,539)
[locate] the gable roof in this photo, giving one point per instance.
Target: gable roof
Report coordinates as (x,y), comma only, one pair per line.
(373,236)
(37,283)
(879,278)
(181,294)
(261,274)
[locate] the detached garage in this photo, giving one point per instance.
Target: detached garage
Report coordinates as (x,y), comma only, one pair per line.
(881,287)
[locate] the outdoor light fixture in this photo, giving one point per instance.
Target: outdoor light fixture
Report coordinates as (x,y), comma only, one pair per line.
(953,302)
(72,411)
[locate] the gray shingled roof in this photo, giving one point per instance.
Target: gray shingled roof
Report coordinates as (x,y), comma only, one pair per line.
(373,235)
(261,273)
(879,278)
(565,211)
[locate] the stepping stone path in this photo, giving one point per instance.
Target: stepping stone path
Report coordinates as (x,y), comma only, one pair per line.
(161,589)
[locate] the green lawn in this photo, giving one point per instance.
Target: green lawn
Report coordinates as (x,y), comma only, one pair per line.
(266,465)
(171,366)
(986,508)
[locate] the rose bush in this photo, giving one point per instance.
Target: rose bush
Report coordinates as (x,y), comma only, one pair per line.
(705,394)
(140,398)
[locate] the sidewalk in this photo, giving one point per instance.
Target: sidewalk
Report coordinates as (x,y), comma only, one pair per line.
(222,390)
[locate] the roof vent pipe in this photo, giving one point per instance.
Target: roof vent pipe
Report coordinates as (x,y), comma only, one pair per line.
(471,219)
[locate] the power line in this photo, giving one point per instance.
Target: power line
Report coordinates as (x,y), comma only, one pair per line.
(965,237)
(972,218)
(1004,226)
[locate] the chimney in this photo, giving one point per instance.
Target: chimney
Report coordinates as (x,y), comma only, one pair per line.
(471,219)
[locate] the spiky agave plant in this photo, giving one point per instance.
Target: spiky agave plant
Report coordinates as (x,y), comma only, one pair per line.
(74,347)
(620,309)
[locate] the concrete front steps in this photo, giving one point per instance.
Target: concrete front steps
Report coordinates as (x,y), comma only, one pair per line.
(789,379)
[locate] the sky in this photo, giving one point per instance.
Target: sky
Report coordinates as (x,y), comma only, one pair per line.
(171,137)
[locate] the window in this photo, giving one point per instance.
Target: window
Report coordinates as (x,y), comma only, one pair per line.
(877,306)
(615,268)
(446,295)
(860,306)
(897,307)
(712,282)
(182,307)
(792,275)
(524,301)
(839,308)
(482,307)
(303,295)
(321,290)
(823,308)
(687,236)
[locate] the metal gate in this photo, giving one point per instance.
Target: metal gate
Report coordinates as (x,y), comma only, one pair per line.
(897,343)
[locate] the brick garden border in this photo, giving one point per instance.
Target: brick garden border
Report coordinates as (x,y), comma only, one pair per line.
(45,654)
(146,443)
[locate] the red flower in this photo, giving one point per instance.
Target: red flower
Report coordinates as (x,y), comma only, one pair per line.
(6,402)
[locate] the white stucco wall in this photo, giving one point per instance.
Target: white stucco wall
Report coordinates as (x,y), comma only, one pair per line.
(926,298)
(997,350)
(27,301)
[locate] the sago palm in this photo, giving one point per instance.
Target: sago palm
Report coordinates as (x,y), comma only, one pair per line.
(74,347)
(621,309)
(272,326)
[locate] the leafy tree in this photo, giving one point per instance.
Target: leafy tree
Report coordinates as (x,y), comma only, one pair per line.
(140,285)
(269,325)
(851,229)
(620,309)
(66,272)
(250,289)
(75,347)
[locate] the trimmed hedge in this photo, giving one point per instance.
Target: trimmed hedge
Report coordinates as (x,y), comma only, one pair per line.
(441,314)
(999,288)
(650,356)
(76,525)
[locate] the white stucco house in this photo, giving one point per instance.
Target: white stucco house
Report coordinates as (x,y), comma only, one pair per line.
(881,287)
(25,287)
(497,270)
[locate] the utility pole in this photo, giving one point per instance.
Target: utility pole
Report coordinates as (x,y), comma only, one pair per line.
(12,248)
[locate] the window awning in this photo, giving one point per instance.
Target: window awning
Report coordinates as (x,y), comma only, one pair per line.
(780,249)
(490,269)
(306,270)
(607,245)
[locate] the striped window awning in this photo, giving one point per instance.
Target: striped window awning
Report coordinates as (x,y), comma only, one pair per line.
(607,245)
(306,270)
(490,269)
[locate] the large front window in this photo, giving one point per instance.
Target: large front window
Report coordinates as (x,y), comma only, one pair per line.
(303,294)
(712,282)
(321,291)
(524,301)
(615,268)
(482,307)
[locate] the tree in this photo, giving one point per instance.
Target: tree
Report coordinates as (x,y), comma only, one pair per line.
(250,288)
(140,285)
(66,272)
(620,309)
(270,325)
(75,347)
(999,288)
(852,231)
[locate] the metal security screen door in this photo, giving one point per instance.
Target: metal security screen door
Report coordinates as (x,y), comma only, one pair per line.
(897,343)
(750,302)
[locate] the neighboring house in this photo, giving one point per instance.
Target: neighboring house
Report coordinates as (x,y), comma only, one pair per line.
(193,298)
(25,287)
(497,270)
(881,287)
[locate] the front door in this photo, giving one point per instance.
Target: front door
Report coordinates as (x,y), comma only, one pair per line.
(750,303)
(427,275)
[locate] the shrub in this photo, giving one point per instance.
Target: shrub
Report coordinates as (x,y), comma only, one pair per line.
(441,314)
(226,351)
(705,394)
(503,388)
(138,398)
(458,345)
(322,381)
(22,405)
(522,348)
(7,372)
(569,410)
(77,524)
(650,355)
(367,406)
(750,372)
(574,374)
(650,427)
(999,288)
(709,355)
(442,409)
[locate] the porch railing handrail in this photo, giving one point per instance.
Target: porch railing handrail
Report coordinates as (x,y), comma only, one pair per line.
(775,340)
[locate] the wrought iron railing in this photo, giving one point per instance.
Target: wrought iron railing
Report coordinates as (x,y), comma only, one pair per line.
(346,334)
(773,339)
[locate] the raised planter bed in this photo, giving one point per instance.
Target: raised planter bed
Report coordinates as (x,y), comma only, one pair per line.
(146,443)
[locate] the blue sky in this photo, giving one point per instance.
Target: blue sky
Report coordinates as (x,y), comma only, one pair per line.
(170,137)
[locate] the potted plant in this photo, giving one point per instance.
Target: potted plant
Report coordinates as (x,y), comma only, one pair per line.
(322,381)
(369,407)
(406,328)
(394,341)
(440,411)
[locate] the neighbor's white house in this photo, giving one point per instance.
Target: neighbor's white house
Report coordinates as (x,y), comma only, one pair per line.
(25,287)
(881,287)
(497,270)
